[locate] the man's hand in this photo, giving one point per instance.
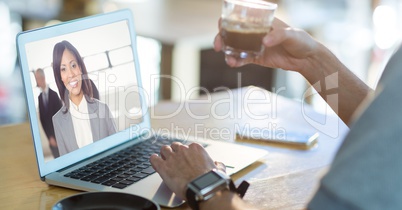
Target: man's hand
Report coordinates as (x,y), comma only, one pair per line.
(285,47)
(179,164)
(52,141)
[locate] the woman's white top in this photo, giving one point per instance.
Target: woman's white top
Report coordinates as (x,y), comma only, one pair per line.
(81,123)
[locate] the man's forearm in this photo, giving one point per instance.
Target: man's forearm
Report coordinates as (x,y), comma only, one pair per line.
(336,84)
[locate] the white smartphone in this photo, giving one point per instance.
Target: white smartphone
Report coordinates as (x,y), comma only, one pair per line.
(303,140)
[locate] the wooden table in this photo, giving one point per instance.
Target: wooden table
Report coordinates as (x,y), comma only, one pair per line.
(286,178)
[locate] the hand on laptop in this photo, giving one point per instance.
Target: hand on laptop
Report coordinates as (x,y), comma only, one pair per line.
(179,164)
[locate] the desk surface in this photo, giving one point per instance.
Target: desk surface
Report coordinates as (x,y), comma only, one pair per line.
(285,178)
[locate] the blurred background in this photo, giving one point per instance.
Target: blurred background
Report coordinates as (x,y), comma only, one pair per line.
(175,38)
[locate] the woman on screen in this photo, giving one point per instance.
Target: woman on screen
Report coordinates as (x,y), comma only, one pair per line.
(82,119)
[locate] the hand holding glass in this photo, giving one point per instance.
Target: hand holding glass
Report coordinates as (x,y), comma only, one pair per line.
(244,24)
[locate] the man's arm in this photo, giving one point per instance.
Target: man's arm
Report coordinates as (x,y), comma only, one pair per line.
(295,50)
(337,85)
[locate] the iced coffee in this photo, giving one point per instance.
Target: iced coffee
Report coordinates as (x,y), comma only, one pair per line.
(244,24)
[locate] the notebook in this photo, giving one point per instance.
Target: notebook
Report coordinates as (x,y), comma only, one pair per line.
(98,136)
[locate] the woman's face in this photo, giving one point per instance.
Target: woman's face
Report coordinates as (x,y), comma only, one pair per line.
(71,73)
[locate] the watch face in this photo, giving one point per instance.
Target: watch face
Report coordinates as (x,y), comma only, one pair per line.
(206,180)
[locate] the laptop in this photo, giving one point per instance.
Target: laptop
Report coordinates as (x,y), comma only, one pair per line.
(106,148)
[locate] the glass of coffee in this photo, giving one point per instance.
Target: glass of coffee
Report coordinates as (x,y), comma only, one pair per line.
(244,24)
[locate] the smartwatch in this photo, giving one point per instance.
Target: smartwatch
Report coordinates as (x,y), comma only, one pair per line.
(207,185)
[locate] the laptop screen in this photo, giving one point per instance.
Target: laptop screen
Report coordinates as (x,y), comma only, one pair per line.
(83,84)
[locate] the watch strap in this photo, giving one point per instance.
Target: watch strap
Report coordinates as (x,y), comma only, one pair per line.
(191,199)
(242,188)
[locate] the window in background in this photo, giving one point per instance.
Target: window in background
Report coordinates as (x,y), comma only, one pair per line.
(12,104)
(387,35)
(149,54)
(346,27)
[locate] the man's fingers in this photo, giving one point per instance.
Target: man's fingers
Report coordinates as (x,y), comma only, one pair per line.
(175,146)
(218,44)
(156,162)
(220,166)
(166,152)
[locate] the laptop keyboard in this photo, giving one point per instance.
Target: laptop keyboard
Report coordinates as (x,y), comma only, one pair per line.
(124,167)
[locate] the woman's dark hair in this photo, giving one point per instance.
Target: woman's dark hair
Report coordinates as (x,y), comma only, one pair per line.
(86,87)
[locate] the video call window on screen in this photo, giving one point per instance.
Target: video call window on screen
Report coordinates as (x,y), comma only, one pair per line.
(85,87)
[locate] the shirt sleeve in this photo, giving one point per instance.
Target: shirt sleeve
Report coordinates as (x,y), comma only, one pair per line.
(366,171)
